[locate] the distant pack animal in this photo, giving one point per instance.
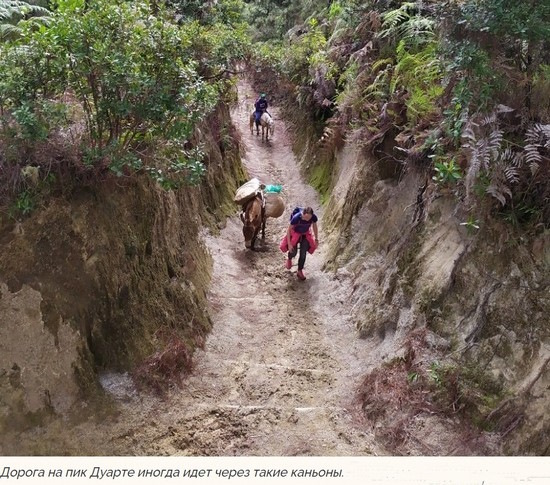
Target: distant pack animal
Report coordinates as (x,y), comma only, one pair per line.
(253,218)
(267,124)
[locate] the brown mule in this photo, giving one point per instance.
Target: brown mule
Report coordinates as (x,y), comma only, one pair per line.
(253,219)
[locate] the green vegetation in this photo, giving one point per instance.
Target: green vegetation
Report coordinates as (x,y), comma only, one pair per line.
(413,385)
(116,86)
(16,15)
(447,172)
(121,86)
(464,388)
(271,19)
(471,77)
(471,224)
(320,179)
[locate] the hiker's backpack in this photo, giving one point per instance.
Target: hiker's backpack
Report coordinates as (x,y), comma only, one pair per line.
(295,211)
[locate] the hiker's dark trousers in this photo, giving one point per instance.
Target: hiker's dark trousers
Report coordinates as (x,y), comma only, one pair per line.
(304,247)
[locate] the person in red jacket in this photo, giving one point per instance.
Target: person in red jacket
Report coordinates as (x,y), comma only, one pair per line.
(299,233)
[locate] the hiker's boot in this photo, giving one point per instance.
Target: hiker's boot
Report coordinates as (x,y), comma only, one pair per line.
(288,263)
(300,274)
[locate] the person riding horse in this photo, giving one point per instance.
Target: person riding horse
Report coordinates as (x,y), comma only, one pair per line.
(260,107)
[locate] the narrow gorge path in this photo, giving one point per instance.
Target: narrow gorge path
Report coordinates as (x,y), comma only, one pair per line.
(280,368)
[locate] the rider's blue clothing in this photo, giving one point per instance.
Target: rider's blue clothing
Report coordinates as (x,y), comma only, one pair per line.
(261,106)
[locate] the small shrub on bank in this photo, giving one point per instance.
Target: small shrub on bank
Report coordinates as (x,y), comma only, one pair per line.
(166,368)
(417,384)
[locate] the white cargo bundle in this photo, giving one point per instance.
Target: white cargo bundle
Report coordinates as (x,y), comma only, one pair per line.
(248,190)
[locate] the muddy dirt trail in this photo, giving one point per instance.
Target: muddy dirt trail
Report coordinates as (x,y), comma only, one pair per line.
(279,370)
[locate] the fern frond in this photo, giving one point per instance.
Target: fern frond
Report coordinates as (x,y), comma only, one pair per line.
(534,167)
(499,192)
(532,154)
(15,8)
(495,140)
(510,161)
(483,144)
(488,119)
(8,31)
(483,150)
(504,173)
(381,63)
(511,174)
(468,134)
(405,24)
(14,14)
(392,18)
(417,29)
(475,159)
(515,159)
(379,85)
(45,20)
(537,137)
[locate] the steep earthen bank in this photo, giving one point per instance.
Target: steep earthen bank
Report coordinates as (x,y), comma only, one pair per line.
(103,278)
(459,315)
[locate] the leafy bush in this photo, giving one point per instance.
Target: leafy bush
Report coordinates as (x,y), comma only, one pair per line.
(539,105)
(35,121)
(273,19)
(222,12)
(472,65)
(177,165)
(506,18)
(456,112)
(133,73)
(135,76)
(303,52)
(447,172)
(217,47)
(24,204)
(34,191)
(141,81)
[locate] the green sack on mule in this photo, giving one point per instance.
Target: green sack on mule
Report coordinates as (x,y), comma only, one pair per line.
(273,188)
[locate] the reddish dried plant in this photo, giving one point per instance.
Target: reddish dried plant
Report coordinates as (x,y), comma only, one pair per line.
(166,367)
